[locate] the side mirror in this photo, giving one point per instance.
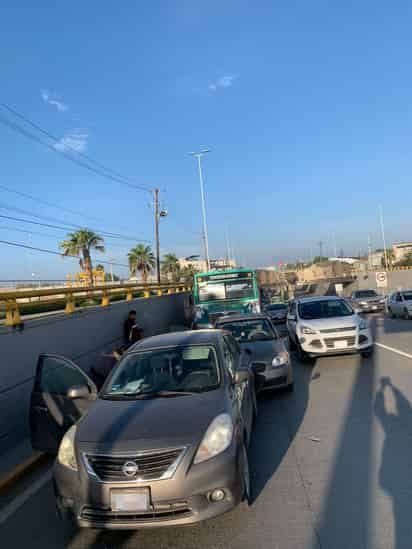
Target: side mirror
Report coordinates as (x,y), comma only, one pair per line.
(258,367)
(241,376)
(78,391)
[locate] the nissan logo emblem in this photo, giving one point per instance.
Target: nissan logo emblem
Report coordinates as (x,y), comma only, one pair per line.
(130,468)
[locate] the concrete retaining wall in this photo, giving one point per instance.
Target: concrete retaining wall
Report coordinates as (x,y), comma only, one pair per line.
(82,337)
(396,280)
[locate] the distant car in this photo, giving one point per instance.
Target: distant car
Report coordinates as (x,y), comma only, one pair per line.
(277,312)
(399,304)
(165,441)
(319,326)
(367,301)
(268,353)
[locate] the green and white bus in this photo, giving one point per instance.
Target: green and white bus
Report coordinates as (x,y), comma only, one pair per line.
(216,293)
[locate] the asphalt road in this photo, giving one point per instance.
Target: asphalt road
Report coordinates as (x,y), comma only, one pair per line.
(331,467)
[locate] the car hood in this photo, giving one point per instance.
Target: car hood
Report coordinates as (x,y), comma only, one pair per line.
(263,351)
(152,423)
(331,323)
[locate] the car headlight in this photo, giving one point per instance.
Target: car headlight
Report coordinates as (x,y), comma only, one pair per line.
(280,360)
(363,325)
(307,330)
(217,438)
(382,300)
(66,455)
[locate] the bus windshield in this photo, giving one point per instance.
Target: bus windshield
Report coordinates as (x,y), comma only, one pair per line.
(233,289)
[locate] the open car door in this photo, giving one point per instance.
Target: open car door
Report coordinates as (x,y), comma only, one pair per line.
(62,393)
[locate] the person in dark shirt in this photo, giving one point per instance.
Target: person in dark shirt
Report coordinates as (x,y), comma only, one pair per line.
(128,325)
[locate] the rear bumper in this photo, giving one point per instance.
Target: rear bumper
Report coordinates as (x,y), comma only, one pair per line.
(183,499)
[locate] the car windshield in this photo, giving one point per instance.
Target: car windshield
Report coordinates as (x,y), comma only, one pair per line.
(407,296)
(276,307)
(365,293)
(324,309)
(249,330)
(191,368)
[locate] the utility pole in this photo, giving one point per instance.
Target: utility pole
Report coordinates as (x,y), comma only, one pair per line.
(385,253)
(199,155)
(320,244)
(157,219)
(369,252)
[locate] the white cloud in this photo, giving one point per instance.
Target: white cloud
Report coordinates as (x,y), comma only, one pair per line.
(223,82)
(52,100)
(74,141)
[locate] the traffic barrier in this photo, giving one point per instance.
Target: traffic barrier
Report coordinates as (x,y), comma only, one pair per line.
(13,300)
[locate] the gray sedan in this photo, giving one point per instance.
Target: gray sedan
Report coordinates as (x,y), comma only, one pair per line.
(165,441)
(270,358)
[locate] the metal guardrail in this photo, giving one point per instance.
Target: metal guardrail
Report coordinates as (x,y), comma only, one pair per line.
(13,299)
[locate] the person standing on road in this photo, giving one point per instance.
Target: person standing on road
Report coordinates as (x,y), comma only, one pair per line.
(128,325)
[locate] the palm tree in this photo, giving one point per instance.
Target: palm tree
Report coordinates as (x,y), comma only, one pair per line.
(171,267)
(80,243)
(142,260)
(188,272)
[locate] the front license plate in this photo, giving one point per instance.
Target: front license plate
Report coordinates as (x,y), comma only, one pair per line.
(341,344)
(130,500)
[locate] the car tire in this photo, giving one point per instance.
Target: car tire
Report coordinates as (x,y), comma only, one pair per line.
(292,344)
(391,313)
(245,475)
(289,388)
(302,355)
(367,354)
(406,315)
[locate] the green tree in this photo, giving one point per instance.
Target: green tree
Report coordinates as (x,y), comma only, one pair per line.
(142,260)
(320,259)
(80,243)
(406,261)
(171,267)
(188,272)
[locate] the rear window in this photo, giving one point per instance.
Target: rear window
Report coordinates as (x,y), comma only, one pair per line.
(365,294)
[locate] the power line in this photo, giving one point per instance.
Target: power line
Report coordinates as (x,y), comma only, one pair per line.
(47,203)
(99,168)
(67,228)
(53,252)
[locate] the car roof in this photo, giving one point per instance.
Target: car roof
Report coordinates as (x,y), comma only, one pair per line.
(240,317)
(175,339)
(318,298)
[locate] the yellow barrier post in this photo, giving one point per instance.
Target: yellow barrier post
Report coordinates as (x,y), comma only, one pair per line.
(12,313)
(129,295)
(170,291)
(105,300)
(70,304)
(146,293)
(159,292)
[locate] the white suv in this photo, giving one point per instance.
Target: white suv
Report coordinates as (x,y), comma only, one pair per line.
(319,326)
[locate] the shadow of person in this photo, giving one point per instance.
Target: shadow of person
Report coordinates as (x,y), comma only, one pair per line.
(394,412)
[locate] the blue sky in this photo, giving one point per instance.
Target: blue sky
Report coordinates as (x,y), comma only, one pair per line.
(306,107)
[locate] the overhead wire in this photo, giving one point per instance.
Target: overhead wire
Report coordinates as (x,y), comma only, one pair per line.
(99,169)
(53,252)
(68,228)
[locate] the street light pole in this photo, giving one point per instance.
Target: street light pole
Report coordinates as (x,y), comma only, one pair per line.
(157,218)
(199,155)
(385,253)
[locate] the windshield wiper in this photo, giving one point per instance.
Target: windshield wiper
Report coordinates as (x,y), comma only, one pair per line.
(149,394)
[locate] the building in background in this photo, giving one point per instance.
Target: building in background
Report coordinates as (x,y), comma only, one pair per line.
(327,269)
(200,264)
(401,250)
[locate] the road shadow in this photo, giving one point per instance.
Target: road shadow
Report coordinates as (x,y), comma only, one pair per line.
(275,427)
(344,520)
(394,412)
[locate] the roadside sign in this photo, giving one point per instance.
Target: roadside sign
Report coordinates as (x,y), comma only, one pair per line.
(382,279)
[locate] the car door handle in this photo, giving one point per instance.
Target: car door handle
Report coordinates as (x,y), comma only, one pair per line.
(41,409)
